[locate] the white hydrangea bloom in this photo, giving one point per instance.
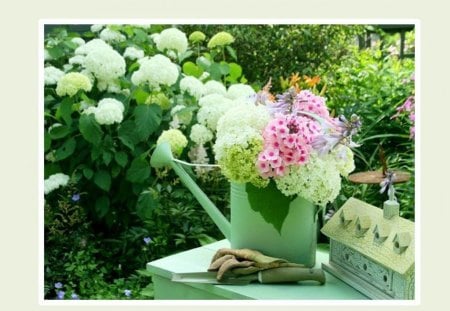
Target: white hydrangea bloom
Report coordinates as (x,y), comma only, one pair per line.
(343,158)
(200,134)
(93,45)
(157,70)
(317,181)
(172,39)
(111,36)
(240,90)
(105,64)
(67,67)
(154,37)
(78,41)
(193,86)
(52,75)
(215,87)
(89,110)
(55,181)
(133,53)
(213,99)
(239,141)
(77,60)
(97,27)
(109,111)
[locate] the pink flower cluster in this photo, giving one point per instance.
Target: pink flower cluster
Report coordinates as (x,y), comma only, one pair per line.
(408,107)
(309,102)
(287,141)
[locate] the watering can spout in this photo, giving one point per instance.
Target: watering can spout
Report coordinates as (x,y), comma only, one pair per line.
(162,156)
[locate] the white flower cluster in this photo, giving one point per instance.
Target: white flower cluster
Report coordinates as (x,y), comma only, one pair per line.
(172,39)
(111,36)
(215,87)
(106,64)
(239,141)
(199,155)
(133,53)
(212,107)
(200,134)
(108,111)
(240,91)
(71,83)
(52,75)
(344,160)
(192,86)
(97,27)
(55,181)
(318,181)
(157,70)
(78,41)
(175,138)
(92,45)
(77,60)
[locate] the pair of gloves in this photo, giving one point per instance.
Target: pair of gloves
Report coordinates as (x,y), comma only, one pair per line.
(236,262)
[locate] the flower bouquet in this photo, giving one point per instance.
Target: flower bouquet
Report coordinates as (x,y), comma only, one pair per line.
(285,156)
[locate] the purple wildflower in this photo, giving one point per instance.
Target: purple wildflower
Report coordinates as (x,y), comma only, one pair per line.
(76,197)
(127,292)
(58,285)
(338,132)
(60,294)
(284,102)
(148,240)
(74,296)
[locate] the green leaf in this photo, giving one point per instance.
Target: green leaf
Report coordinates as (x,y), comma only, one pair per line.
(147,119)
(107,157)
(145,205)
(270,203)
(55,52)
(139,171)
(232,52)
(90,129)
(102,206)
(47,141)
(140,95)
(203,62)
(184,55)
(215,72)
(121,158)
(140,35)
(205,239)
(224,68)
(66,150)
(88,173)
(102,179)
(115,171)
(127,134)
(235,71)
(65,110)
(191,69)
(59,132)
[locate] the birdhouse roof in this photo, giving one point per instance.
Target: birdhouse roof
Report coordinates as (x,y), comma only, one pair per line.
(397,228)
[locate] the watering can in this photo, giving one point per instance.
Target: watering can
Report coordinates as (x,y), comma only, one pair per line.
(295,240)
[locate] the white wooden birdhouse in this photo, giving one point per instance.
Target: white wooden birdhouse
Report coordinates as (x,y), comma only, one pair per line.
(372,250)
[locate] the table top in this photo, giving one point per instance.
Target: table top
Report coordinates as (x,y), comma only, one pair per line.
(198,260)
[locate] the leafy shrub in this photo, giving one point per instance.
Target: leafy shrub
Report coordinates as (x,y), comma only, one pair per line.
(373,84)
(105,108)
(278,50)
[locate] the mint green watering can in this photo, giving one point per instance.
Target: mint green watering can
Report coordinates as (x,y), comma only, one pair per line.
(261,219)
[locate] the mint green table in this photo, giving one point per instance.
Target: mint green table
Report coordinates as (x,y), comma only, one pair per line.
(198,259)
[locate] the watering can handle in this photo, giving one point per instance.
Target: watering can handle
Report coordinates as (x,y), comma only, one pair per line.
(162,156)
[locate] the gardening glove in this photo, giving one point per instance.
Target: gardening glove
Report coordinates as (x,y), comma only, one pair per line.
(244,261)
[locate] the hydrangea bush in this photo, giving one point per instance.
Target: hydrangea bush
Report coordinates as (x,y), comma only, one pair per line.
(110,95)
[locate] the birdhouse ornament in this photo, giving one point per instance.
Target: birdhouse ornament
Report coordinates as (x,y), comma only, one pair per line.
(372,249)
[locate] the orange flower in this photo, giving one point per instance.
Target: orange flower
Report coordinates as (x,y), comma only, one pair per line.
(312,81)
(295,78)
